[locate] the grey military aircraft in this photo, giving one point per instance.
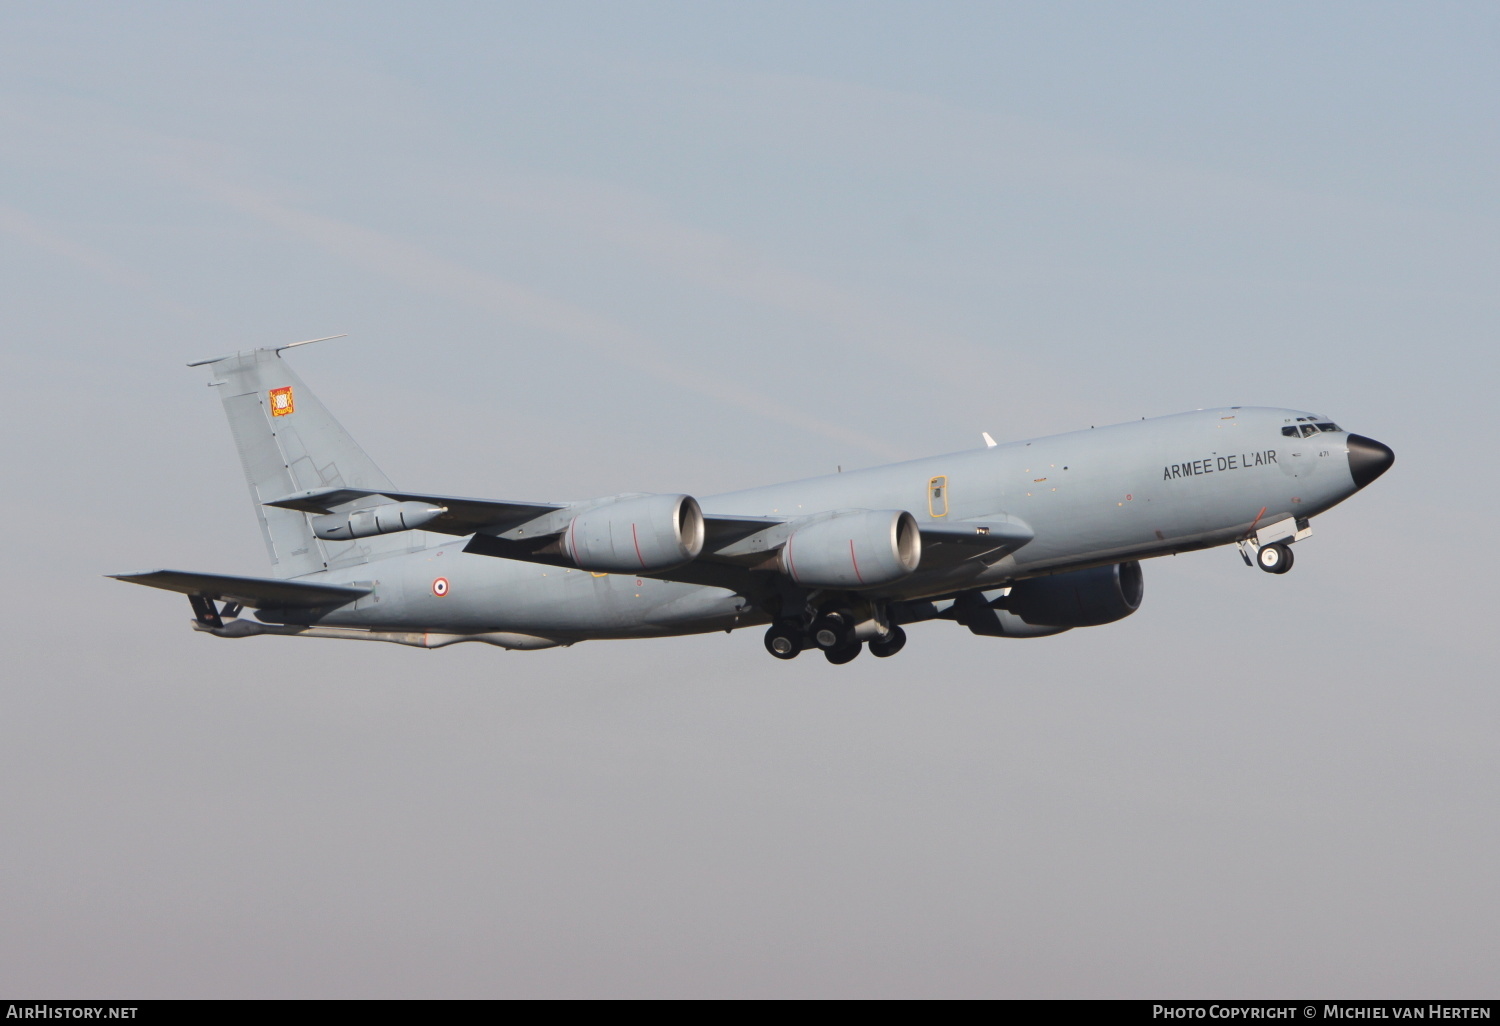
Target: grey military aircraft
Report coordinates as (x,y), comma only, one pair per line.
(1021,540)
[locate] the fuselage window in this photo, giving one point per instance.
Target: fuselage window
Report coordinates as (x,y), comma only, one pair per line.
(937,496)
(1308,430)
(1291,431)
(1328,427)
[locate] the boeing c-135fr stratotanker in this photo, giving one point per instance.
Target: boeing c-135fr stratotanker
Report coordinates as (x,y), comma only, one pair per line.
(1020,540)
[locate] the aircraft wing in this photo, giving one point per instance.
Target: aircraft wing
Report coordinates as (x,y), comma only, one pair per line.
(737,547)
(734,545)
(712,567)
(255,592)
(464,515)
(947,543)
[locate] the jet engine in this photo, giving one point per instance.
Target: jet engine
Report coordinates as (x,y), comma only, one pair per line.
(853,550)
(977,611)
(1080,598)
(647,533)
(373,520)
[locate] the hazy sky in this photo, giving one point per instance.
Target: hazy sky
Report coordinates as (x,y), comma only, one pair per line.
(591,248)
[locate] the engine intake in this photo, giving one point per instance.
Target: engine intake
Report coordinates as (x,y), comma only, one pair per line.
(853,550)
(1081,598)
(647,534)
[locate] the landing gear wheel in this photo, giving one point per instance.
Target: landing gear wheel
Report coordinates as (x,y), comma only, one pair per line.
(843,654)
(832,631)
(888,645)
(1274,559)
(784,639)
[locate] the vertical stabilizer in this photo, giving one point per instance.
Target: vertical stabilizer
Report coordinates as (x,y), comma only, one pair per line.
(289,442)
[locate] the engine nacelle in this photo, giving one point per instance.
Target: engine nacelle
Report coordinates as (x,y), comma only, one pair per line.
(646,534)
(373,520)
(976,611)
(1081,598)
(853,550)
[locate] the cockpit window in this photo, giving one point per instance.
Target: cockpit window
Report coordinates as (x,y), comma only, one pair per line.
(1306,427)
(1304,430)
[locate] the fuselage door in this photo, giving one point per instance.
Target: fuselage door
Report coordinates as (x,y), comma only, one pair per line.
(937,496)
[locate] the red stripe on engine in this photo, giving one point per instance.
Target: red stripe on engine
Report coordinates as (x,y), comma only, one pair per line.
(855,560)
(637,541)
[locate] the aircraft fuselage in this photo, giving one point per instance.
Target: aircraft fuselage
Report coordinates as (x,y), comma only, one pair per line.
(1123,492)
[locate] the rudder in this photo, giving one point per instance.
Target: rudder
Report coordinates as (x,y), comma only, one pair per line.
(288,442)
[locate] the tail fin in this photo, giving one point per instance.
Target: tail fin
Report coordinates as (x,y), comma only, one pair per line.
(289,442)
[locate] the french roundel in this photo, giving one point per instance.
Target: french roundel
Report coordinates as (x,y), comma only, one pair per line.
(440,587)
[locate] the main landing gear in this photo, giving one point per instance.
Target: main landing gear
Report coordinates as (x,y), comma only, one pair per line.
(837,633)
(834,633)
(784,639)
(890,644)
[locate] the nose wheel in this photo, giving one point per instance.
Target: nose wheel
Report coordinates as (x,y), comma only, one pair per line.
(1275,558)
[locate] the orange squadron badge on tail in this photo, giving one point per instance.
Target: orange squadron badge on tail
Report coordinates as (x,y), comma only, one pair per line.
(281,401)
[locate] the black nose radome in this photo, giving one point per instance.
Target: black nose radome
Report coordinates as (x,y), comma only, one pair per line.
(1368,459)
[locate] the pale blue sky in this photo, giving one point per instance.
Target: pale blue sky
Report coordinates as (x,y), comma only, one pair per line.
(584,249)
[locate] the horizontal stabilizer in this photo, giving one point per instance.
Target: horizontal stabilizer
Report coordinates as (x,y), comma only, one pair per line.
(255,592)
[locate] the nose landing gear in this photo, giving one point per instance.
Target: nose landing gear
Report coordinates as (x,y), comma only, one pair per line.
(1270,548)
(1275,558)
